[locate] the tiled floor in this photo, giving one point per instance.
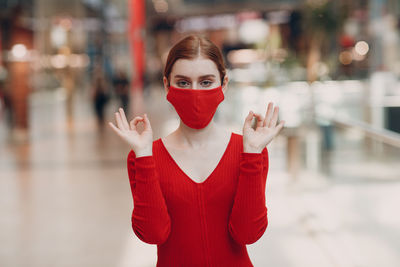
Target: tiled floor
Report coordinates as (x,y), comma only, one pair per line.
(65,198)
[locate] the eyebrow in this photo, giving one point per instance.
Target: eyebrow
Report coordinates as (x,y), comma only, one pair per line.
(201,77)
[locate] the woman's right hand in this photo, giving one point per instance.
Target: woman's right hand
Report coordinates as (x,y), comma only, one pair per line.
(140,143)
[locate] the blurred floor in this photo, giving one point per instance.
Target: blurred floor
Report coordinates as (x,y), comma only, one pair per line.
(65,196)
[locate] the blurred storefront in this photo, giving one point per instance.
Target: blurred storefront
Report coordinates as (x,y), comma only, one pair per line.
(268,44)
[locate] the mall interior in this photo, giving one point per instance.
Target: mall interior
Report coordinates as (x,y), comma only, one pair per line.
(332,67)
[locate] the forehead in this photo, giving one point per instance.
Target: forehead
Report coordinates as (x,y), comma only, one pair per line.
(194,67)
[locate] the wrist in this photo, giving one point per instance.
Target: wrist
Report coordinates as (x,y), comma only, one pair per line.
(143,152)
(248,149)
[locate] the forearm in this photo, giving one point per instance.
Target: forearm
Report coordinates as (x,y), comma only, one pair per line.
(150,218)
(248,219)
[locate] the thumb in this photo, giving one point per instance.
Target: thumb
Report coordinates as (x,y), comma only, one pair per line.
(279,127)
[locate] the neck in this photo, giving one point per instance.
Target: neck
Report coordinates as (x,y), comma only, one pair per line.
(196,138)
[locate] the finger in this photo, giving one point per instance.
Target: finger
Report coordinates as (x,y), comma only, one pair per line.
(123,117)
(247,121)
(119,121)
(260,120)
(134,122)
(115,129)
(147,125)
(279,127)
(132,125)
(268,114)
(274,117)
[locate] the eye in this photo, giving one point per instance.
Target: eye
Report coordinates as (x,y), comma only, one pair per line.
(182,83)
(206,83)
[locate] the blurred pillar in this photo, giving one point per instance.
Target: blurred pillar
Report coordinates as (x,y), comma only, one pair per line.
(376,8)
(137,24)
(137,34)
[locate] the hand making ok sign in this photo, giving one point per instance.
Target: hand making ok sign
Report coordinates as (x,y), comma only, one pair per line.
(141,143)
(255,140)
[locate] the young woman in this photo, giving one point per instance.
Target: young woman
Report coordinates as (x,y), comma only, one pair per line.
(198,193)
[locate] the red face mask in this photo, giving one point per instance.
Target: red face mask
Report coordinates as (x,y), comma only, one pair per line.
(195,107)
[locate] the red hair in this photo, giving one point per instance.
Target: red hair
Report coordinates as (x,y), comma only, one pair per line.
(192,47)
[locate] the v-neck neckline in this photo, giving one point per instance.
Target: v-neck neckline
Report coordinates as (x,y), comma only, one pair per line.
(213,171)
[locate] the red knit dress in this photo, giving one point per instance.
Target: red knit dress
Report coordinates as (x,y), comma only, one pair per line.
(200,224)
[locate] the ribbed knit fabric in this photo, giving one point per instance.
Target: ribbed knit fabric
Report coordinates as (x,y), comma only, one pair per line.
(200,224)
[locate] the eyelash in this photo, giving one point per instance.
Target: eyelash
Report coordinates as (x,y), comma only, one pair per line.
(181,81)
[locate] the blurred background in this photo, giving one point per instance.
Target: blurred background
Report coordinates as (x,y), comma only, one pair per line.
(333,68)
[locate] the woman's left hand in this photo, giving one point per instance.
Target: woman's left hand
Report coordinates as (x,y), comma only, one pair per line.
(254,141)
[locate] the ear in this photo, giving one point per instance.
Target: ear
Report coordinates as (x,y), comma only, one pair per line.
(165,81)
(225,84)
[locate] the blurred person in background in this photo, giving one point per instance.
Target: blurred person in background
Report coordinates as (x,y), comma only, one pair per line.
(100,97)
(198,193)
(121,88)
(2,100)
(5,99)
